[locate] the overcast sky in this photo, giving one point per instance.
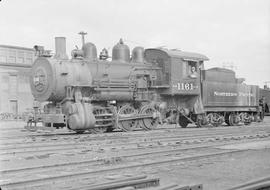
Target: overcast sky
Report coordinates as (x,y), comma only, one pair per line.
(232,32)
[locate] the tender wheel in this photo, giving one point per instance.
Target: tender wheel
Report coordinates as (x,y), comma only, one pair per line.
(127,111)
(247,119)
(149,123)
(183,122)
(202,121)
(215,119)
(234,119)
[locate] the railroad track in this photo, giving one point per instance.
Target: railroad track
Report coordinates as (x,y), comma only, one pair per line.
(132,137)
(119,144)
(89,157)
(65,133)
(120,136)
(153,141)
(127,154)
(24,179)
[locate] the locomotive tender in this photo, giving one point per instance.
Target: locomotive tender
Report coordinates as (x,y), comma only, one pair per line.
(265,99)
(88,92)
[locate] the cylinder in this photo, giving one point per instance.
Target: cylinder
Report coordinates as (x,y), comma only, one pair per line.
(81,116)
(60,48)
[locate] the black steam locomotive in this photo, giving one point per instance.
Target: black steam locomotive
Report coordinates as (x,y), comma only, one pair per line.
(152,86)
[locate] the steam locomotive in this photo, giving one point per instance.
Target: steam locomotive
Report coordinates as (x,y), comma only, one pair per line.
(156,85)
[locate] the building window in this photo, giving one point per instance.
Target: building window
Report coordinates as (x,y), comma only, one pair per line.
(13,86)
(12,53)
(3,59)
(29,55)
(13,106)
(11,59)
(3,52)
(28,61)
(3,56)
(20,57)
(20,54)
(20,60)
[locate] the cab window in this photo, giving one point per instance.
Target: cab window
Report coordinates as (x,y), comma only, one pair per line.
(192,69)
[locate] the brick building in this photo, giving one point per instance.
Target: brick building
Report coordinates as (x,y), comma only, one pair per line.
(15,65)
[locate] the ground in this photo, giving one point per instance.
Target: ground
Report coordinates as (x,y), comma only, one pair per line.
(220,172)
(246,156)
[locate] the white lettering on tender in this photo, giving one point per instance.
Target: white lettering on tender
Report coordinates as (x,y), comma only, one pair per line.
(244,94)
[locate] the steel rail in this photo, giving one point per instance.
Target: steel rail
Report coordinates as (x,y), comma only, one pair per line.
(174,151)
(99,171)
(251,184)
(159,130)
(75,146)
(131,136)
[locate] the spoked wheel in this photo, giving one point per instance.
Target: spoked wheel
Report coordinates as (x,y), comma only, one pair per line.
(202,121)
(183,121)
(234,119)
(151,122)
(127,111)
(215,119)
(247,119)
(104,120)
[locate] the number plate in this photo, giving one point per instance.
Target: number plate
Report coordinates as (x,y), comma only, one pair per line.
(185,86)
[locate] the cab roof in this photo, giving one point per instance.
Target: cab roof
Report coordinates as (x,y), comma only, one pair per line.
(182,54)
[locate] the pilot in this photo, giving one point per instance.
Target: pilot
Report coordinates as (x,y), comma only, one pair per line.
(193,74)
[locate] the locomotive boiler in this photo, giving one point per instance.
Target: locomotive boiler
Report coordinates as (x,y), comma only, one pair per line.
(151,86)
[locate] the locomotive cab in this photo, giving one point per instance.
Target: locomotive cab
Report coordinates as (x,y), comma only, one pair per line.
(181,72)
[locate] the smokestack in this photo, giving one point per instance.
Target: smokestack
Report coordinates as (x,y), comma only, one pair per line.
(60,48)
